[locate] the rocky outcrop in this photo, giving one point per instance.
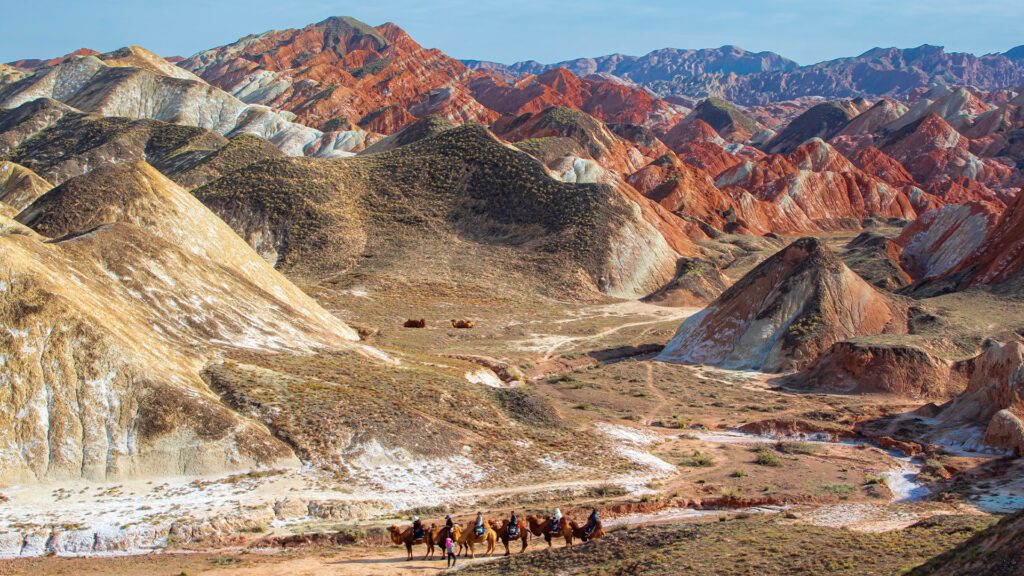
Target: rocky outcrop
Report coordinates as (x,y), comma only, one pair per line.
(785,313)
(906,371)
(990,409)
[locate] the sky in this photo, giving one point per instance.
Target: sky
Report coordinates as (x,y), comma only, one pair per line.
(807,31)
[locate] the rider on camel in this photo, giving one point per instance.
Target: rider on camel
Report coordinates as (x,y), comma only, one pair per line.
(592,522)
(417,528)
(556,521)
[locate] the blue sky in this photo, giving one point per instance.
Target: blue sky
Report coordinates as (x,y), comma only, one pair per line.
(807,31)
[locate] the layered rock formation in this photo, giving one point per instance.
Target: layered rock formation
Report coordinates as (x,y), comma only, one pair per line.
(785,313)
(104,334)
(341,67)
(609,101)
(812,188)
(117,87)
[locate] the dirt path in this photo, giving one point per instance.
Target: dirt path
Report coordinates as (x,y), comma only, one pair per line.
(355,562)
(662,399)
(675,315)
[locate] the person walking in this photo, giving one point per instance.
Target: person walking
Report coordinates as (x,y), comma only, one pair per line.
(449,549)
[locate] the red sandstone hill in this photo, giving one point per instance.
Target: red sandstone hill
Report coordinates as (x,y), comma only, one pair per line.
(380,78)
(338,67)
(939,158)
(815,184)
(786,312)
(968,245)
(608,101)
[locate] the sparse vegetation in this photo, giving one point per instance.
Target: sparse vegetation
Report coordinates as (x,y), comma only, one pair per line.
(743,546)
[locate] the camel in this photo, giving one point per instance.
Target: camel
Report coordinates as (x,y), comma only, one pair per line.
(467,324)
(438,536)
(469,538)
(502,532)
(577,531)
(542,527)
(421,323)
(399,536)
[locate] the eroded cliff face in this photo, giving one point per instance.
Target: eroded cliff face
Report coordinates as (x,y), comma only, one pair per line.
(993,402)
(785,313)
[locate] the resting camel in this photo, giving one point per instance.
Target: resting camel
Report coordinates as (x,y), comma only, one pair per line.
(577,531)
(399,536)
(421,323)
(466,324)
(502,533)
(469,538)
(542,527)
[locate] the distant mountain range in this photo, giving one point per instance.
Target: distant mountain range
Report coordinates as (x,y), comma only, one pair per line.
(756,78)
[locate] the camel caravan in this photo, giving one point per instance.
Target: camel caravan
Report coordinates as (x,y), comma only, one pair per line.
(488,532)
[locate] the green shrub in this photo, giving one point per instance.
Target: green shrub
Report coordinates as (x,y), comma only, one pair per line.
(697,460)
(766,456)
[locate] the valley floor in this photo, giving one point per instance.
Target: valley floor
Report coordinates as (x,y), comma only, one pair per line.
(697,482)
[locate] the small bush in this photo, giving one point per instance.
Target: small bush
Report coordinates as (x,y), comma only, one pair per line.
(697,460)
(875,480)
(839,489)
(797,448)
(739,473)
(766,457)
